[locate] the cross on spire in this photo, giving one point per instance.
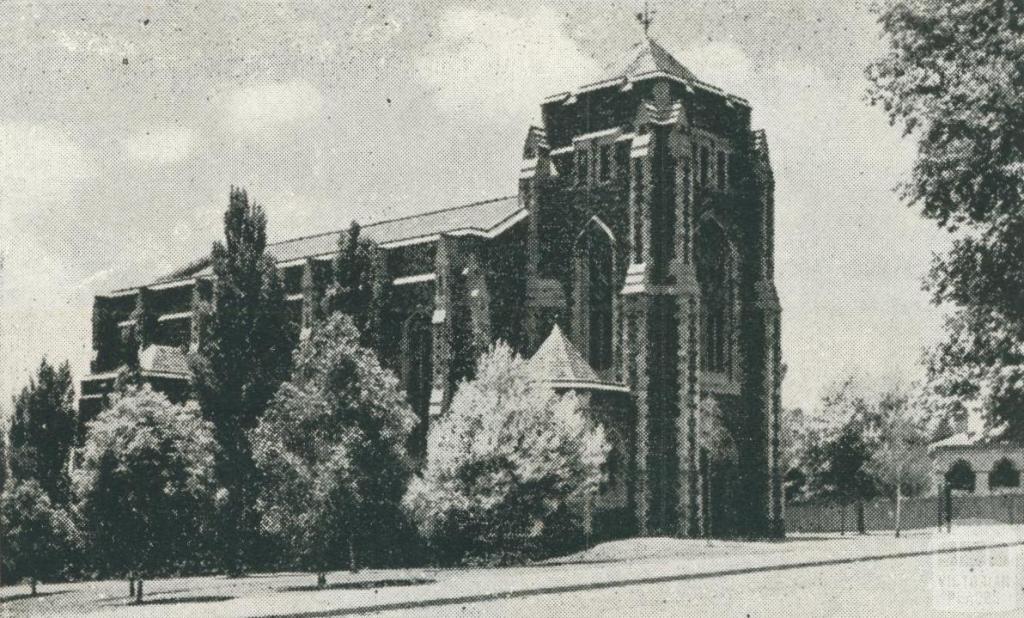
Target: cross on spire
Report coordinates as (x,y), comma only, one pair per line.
(647,17)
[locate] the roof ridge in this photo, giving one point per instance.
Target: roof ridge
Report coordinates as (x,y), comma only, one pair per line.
(395,219)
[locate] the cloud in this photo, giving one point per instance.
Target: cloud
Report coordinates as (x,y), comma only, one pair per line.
(158,145)
(487,64)
(93,43)
(267,106)
(44,303)
(40,167)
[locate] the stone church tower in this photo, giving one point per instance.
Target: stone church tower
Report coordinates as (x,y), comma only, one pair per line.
(639,247)
(651,243)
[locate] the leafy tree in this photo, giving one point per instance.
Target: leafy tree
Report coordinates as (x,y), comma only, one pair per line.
(510,460)
(44,429)
(900,459)
(360,288)
(333,450)
(243,356)
(953,77)
(797,442)
(37,537)
(835,446)
(146,485)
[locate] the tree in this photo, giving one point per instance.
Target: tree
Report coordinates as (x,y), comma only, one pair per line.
(44,429)
(360,287)
(146,485)
(835,446)
(509,461)
(900,459)
(953,77)
(243,356)
(37,537)
(333,448)
(4,431)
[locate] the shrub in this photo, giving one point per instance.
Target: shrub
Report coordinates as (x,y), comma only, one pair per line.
(508,467)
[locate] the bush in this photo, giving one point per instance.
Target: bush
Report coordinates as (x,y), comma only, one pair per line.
(508,470)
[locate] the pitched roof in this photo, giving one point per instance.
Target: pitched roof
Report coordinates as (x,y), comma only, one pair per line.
(989,437)
(645,59)
(163,359)
(486,218)
(559,363)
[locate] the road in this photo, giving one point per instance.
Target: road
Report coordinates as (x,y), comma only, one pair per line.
(918,586)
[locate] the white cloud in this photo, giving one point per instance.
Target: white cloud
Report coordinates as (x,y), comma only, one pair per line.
(40,167)
(158,144)
(44,305)
(486,63)
(267,106)
(93,43)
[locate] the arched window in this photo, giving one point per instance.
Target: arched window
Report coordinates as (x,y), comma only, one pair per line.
(594,296)
(714,273)
(960,476)
(1004,474)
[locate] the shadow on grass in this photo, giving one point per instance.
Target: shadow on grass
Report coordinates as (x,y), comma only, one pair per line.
(179,600)
(170,601)
(363,585)
(29,595)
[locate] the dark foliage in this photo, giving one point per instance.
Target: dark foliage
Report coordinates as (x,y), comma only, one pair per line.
(43,431)
(953,77)
(39,539)
(244,355)
(361,288)
(146,486)
(333,450)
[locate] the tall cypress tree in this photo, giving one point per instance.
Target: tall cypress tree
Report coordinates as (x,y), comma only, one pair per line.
(44,429)
(244,354)
(360,287)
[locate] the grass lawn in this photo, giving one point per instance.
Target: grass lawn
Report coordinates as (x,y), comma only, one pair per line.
(632,562)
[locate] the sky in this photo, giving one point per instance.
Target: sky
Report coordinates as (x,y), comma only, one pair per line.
(123,127)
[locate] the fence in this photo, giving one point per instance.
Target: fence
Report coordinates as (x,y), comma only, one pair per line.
(920,512)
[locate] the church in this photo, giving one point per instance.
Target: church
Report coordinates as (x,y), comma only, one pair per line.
(634,265)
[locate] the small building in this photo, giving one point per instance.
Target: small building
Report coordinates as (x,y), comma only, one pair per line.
(978,463)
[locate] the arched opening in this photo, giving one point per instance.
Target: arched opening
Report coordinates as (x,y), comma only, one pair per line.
(418,372)
(1004,475)
(960,476)
(594,295)
(715,273)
